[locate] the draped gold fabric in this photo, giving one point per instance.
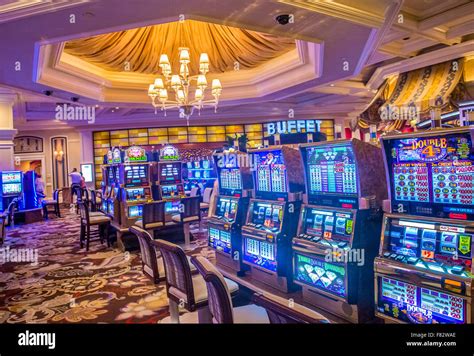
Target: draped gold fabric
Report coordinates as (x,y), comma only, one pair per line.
(141,48)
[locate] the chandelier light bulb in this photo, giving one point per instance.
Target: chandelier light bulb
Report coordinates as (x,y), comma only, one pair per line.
(216,84)
(159,83)
(180,95)
(164,61)
(175,81)
(202,82)
(184,55)
(198,95)
(204,58)
(184,70)
(163,94)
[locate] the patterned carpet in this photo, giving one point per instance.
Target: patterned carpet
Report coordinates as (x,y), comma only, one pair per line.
(68,285)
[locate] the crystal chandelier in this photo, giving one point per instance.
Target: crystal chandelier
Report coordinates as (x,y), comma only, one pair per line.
(179,86)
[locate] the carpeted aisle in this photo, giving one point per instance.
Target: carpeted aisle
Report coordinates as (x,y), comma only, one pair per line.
(68,285)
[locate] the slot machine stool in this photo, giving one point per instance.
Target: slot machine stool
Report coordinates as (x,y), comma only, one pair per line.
(190,213)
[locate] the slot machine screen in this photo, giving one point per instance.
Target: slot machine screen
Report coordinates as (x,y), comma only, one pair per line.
(169,190)
(316,272)
(431,246)
(170,172)
(328,224)
(260,253)
(230,181)
(267,215)
(12,183)
(11,177)
(226,208)
(220,240)
(136,175)
(419,305)
(135,211)
(270,175)
(432,175)
(331,173)
(135,194)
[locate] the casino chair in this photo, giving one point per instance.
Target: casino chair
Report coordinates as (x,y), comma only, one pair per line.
(194,192)
(189,213)
(3,228)
(280,312)
(54,203)
(182,287)
(152,262)
(102,223)
(93,201)
(220,300)
(153,217)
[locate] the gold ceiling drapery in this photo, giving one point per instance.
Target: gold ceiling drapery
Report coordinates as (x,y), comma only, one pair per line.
(141,48)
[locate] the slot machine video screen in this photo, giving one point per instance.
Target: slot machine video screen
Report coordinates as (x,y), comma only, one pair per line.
(12,183)
(170,172)
(135,194)
(136,175)
(331,170)
(271,176)
(432,246)
(135,211)
(328,224)
(169,190)
(419,305)
(260,253)
(316,272)
(230,180)
(267,214)
(226,208)
(220,240)
(432,175)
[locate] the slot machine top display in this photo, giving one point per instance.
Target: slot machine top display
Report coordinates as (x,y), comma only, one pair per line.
(343,173)
(277,173)
(136,168)
(431,173)
(233,173)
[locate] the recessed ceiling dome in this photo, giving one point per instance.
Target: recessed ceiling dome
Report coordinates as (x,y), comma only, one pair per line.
(141,47)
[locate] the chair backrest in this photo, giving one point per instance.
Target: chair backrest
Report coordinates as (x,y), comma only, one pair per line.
(190,209)
(93,198)
(206,197)
(219,298)
(83,212)
(56,195)
(280,312)
(3,229)
(179,282)
(153,213)
(194,192)
(148,253)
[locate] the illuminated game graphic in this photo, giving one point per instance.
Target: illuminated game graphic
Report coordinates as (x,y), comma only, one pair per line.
(116,156)
(260,253)
(135,154)
(271,172)
(435,170)
(431,247)
(268,215)
(226,208)
(136,175)
(332,170)
(413,304)
(135,211)
(169,153)
(230,179)
(220,240)
(320,274)
(170,172)
(329,224)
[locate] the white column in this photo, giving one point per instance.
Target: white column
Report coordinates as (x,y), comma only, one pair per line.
(7,131)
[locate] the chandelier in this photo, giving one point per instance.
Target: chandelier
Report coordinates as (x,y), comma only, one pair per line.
(178,86)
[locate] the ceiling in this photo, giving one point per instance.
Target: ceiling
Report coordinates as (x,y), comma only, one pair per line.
(327,63)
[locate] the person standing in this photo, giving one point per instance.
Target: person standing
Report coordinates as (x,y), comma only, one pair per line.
(39,187)
(75,179)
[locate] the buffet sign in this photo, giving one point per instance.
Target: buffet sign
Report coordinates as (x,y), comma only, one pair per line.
(292,126)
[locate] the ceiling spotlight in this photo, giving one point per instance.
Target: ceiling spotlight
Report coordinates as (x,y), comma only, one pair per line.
(48,92)
(331,85)
(74,99)
(283,19)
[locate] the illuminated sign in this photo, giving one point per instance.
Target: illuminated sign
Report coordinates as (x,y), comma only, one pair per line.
(116,155)
(135,154)
(293,126)
(169,153)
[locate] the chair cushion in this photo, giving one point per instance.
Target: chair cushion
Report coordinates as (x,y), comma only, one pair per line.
(139,223)
(49,201)
(176,218)
(200,289)
(203,205)
(94,220)
(250,314)
(96,213)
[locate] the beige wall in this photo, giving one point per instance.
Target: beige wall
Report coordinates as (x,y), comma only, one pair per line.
(73,152)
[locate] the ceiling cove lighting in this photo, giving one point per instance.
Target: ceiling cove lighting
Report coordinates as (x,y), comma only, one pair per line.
(174,90)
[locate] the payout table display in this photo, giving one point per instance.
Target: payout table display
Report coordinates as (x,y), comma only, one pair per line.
(432,170)
(271,172)
(413,304)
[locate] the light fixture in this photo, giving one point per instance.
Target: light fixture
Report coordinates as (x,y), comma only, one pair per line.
(180,84)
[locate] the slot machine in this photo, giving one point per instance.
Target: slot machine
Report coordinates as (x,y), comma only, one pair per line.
(339,227)
(423,273)
(225,223)
(110,204)
(135,184)
(170,182)
(272,215)
(11,183)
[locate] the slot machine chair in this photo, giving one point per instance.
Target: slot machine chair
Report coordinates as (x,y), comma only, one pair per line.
(87,221)
(220,303)
(190,213)
(280,313)
(152,262)
(184,288)
(54,203)
(153,217)
(3,228)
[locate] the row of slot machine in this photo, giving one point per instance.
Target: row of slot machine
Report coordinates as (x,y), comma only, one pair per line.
(21,186)
(380,231)
(131,179)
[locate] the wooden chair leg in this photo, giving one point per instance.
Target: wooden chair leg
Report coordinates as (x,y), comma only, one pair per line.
(81,238)
(107,226)
(174,312)
(88,237)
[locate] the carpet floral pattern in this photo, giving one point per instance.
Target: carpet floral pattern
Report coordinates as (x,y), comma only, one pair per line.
(69,285)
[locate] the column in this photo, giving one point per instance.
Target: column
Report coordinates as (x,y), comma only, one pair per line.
(7,131)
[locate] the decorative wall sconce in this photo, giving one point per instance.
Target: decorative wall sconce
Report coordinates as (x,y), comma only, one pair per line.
(59,155)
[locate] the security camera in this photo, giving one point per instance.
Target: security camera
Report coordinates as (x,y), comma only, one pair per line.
(75,99)
(48,92)
(283,19)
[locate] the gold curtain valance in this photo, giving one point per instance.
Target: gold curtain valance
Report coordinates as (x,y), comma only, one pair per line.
(141,47)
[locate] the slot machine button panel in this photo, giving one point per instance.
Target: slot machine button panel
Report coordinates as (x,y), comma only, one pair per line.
(342,244)
(457,270)
(412,260)
(386,254)
(393,255)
